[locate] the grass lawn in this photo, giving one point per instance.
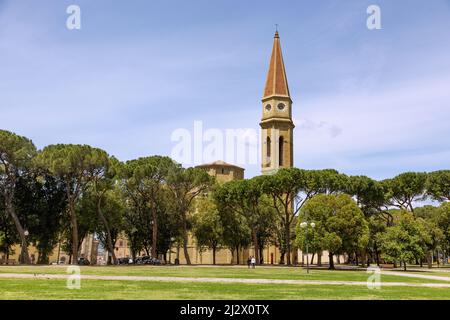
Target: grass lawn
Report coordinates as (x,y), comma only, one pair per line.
(219,272)
(100,289)
(115,289)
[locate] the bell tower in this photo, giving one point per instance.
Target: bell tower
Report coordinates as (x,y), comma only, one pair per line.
(276,123)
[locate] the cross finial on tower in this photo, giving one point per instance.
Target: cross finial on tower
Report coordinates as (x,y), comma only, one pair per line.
(276,30)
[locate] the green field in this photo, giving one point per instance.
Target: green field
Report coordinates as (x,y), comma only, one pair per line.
(123,289)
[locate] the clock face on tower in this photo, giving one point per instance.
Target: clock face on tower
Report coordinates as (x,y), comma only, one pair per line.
(268,107)
(281,106)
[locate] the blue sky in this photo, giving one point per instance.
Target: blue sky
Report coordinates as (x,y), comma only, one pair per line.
(365,102)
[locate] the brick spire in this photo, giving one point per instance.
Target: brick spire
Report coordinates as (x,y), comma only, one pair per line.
(276,83)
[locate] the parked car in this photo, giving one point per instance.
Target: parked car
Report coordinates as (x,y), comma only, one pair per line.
(147,260)
(138,260)
(83,262)
(123,261)
(151,260)
(155,261)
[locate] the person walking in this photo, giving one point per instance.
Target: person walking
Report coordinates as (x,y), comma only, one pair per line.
(253,262)
(249,261)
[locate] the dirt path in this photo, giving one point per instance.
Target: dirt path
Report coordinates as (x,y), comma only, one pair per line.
(415,275)
(220,280)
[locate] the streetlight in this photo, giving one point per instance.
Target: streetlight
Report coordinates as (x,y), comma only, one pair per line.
(304,225)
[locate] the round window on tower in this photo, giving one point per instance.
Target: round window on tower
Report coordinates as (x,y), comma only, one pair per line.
(281,106)
(268,107)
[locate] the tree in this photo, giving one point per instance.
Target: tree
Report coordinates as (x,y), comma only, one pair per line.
(87,219)
(245,198)
(170,230)
(438,185)
(405,240)
(377,225)
(370,195)
(405,189)
(16,153)
(291,188)
(77,166)
(207,225)
(136,226)
(442,219)
(41,203)
(283,188)
(236,232)
(105,218)
(109,227)
(143,181)
(105,197)
(186,185)
(9,235)
(340,225)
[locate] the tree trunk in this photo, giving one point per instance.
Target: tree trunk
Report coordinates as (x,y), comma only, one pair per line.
(255,245)
(377,257)
(282,254)
(312,258)
(404,265)
(363,258)
(261,255)
(214,255)
(154,233)
(287,234)
(429,259)
(108,231)
(43,257)
(185,240)
(319,259)
(24,256)
(330,257)
(74,225)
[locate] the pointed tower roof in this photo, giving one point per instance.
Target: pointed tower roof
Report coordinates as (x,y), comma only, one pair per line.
(276,83)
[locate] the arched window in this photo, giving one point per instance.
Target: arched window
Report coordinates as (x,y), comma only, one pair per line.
(269,147)
(281,149)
